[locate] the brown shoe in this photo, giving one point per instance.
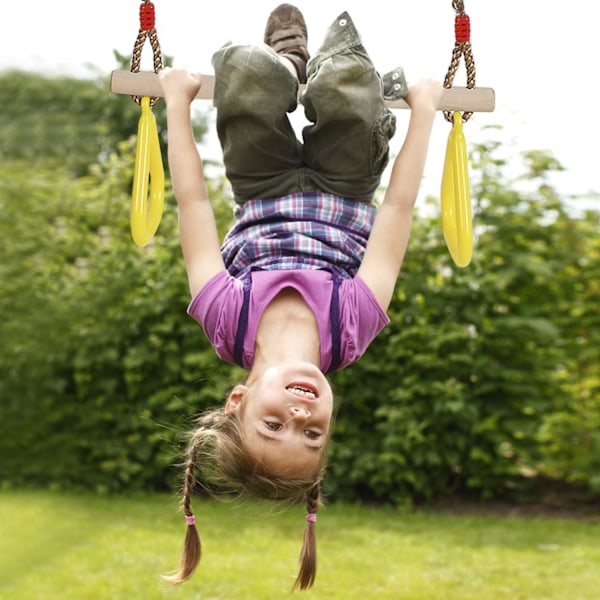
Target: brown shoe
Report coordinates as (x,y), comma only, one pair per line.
(286,34)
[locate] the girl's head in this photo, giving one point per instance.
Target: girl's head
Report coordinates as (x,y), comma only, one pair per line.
(270,442)
(285,414)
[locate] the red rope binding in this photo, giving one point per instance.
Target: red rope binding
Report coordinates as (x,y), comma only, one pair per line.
(462,29)
(147,17)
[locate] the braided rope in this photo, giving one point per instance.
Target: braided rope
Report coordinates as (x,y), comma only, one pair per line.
(458,6)
(147,31)
(462,48)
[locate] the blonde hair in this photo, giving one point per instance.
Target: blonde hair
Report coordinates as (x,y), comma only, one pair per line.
(217,454)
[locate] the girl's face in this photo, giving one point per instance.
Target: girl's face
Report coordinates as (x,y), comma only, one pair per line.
(286,415)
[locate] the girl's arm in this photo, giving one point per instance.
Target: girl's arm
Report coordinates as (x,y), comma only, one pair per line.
(391,230)
(197,227)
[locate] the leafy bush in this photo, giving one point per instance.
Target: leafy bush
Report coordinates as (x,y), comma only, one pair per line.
(485,378)
(101,367)
(473,384)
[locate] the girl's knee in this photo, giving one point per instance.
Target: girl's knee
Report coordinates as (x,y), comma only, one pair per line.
(249,74)
(248,62)
(345,85)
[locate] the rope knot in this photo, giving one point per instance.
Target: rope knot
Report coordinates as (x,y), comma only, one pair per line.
(147,16)
(462,28)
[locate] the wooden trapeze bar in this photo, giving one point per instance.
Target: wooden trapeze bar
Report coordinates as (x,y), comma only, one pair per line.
(145,83)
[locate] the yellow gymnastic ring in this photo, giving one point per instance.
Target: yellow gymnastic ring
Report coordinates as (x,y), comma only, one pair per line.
(148,193)
(455,197)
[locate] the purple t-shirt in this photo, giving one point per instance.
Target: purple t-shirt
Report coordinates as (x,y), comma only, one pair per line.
(218,304)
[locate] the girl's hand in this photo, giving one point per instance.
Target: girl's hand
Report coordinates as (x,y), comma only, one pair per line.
(425,94)
(179,84)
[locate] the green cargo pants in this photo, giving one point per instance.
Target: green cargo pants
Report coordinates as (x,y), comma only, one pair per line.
(344,147)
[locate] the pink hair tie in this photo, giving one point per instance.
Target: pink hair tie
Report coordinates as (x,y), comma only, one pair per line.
(190,520)
(311,517)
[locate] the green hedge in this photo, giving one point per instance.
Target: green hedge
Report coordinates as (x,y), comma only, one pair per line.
(486,378)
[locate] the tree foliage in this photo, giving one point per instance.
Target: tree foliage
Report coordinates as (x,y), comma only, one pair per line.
(69,123)
(486,378)
(474,384)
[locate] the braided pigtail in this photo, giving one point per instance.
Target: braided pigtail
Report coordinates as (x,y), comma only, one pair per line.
(192,549)
(218,460)
(308,555)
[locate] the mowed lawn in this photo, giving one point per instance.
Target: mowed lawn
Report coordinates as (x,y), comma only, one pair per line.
(63,546)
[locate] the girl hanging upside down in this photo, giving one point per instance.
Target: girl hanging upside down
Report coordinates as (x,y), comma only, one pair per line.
(300,286)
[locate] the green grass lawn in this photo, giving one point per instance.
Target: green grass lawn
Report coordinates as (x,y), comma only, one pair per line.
(60,546)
